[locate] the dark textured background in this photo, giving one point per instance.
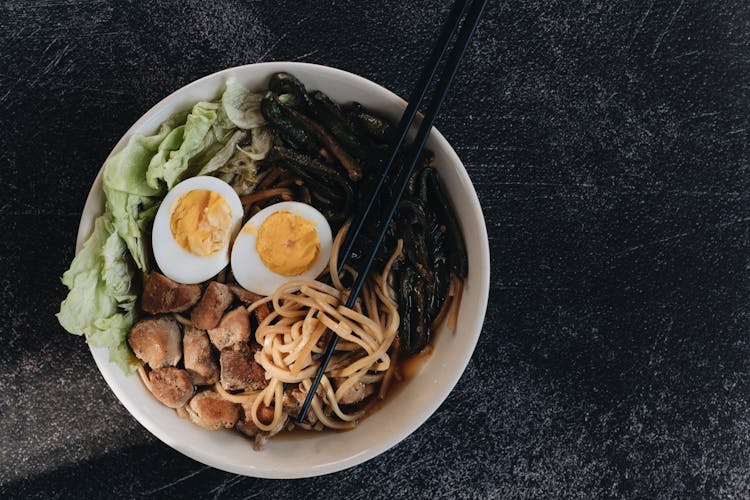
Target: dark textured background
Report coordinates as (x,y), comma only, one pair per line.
(608,143)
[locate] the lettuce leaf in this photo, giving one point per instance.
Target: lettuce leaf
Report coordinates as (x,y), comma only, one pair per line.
(224,154)
(122,356)
(197,135)
(129,197)
(171,142)
(100,304)
(242,168)
(224,127)
(111,331)
(241,105)
(115,271)
(127,211)
(126,170)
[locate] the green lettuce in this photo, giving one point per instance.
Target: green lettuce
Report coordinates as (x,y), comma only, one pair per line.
(100,304)
(127,211)
(237,165)
(126,170)
(198,135)
(241,105)
(131,201)
(115,271)
(224,154)
(171,142)
(210,139)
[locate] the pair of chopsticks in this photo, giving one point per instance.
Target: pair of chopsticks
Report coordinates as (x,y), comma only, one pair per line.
(475,10)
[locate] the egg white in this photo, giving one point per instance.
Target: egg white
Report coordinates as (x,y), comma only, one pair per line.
(174,261)
(250,271)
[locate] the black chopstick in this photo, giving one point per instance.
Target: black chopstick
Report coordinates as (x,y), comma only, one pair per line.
(446,79)
(428,73)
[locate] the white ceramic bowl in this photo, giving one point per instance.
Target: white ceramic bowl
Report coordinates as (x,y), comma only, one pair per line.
(308,454)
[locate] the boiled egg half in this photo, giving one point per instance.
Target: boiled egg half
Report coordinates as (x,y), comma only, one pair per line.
(285,241)
(194,227)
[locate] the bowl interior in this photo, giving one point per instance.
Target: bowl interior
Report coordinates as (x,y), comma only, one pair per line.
(312,454)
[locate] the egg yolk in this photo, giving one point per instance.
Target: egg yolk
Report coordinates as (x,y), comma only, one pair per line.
(287,243)
(201,222)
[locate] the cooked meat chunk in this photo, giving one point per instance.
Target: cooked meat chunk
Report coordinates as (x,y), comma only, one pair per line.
(157,341)
(161,295)
(292,401)
(265,415)
(199,360)
(239,371)
(171,386)
(245,296)
(246,424)
(234,328)
(355,393)
(247,427)
(262,311)
(207,313)
(211,412)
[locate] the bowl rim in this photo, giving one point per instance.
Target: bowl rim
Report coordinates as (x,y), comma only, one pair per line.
(483,281)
